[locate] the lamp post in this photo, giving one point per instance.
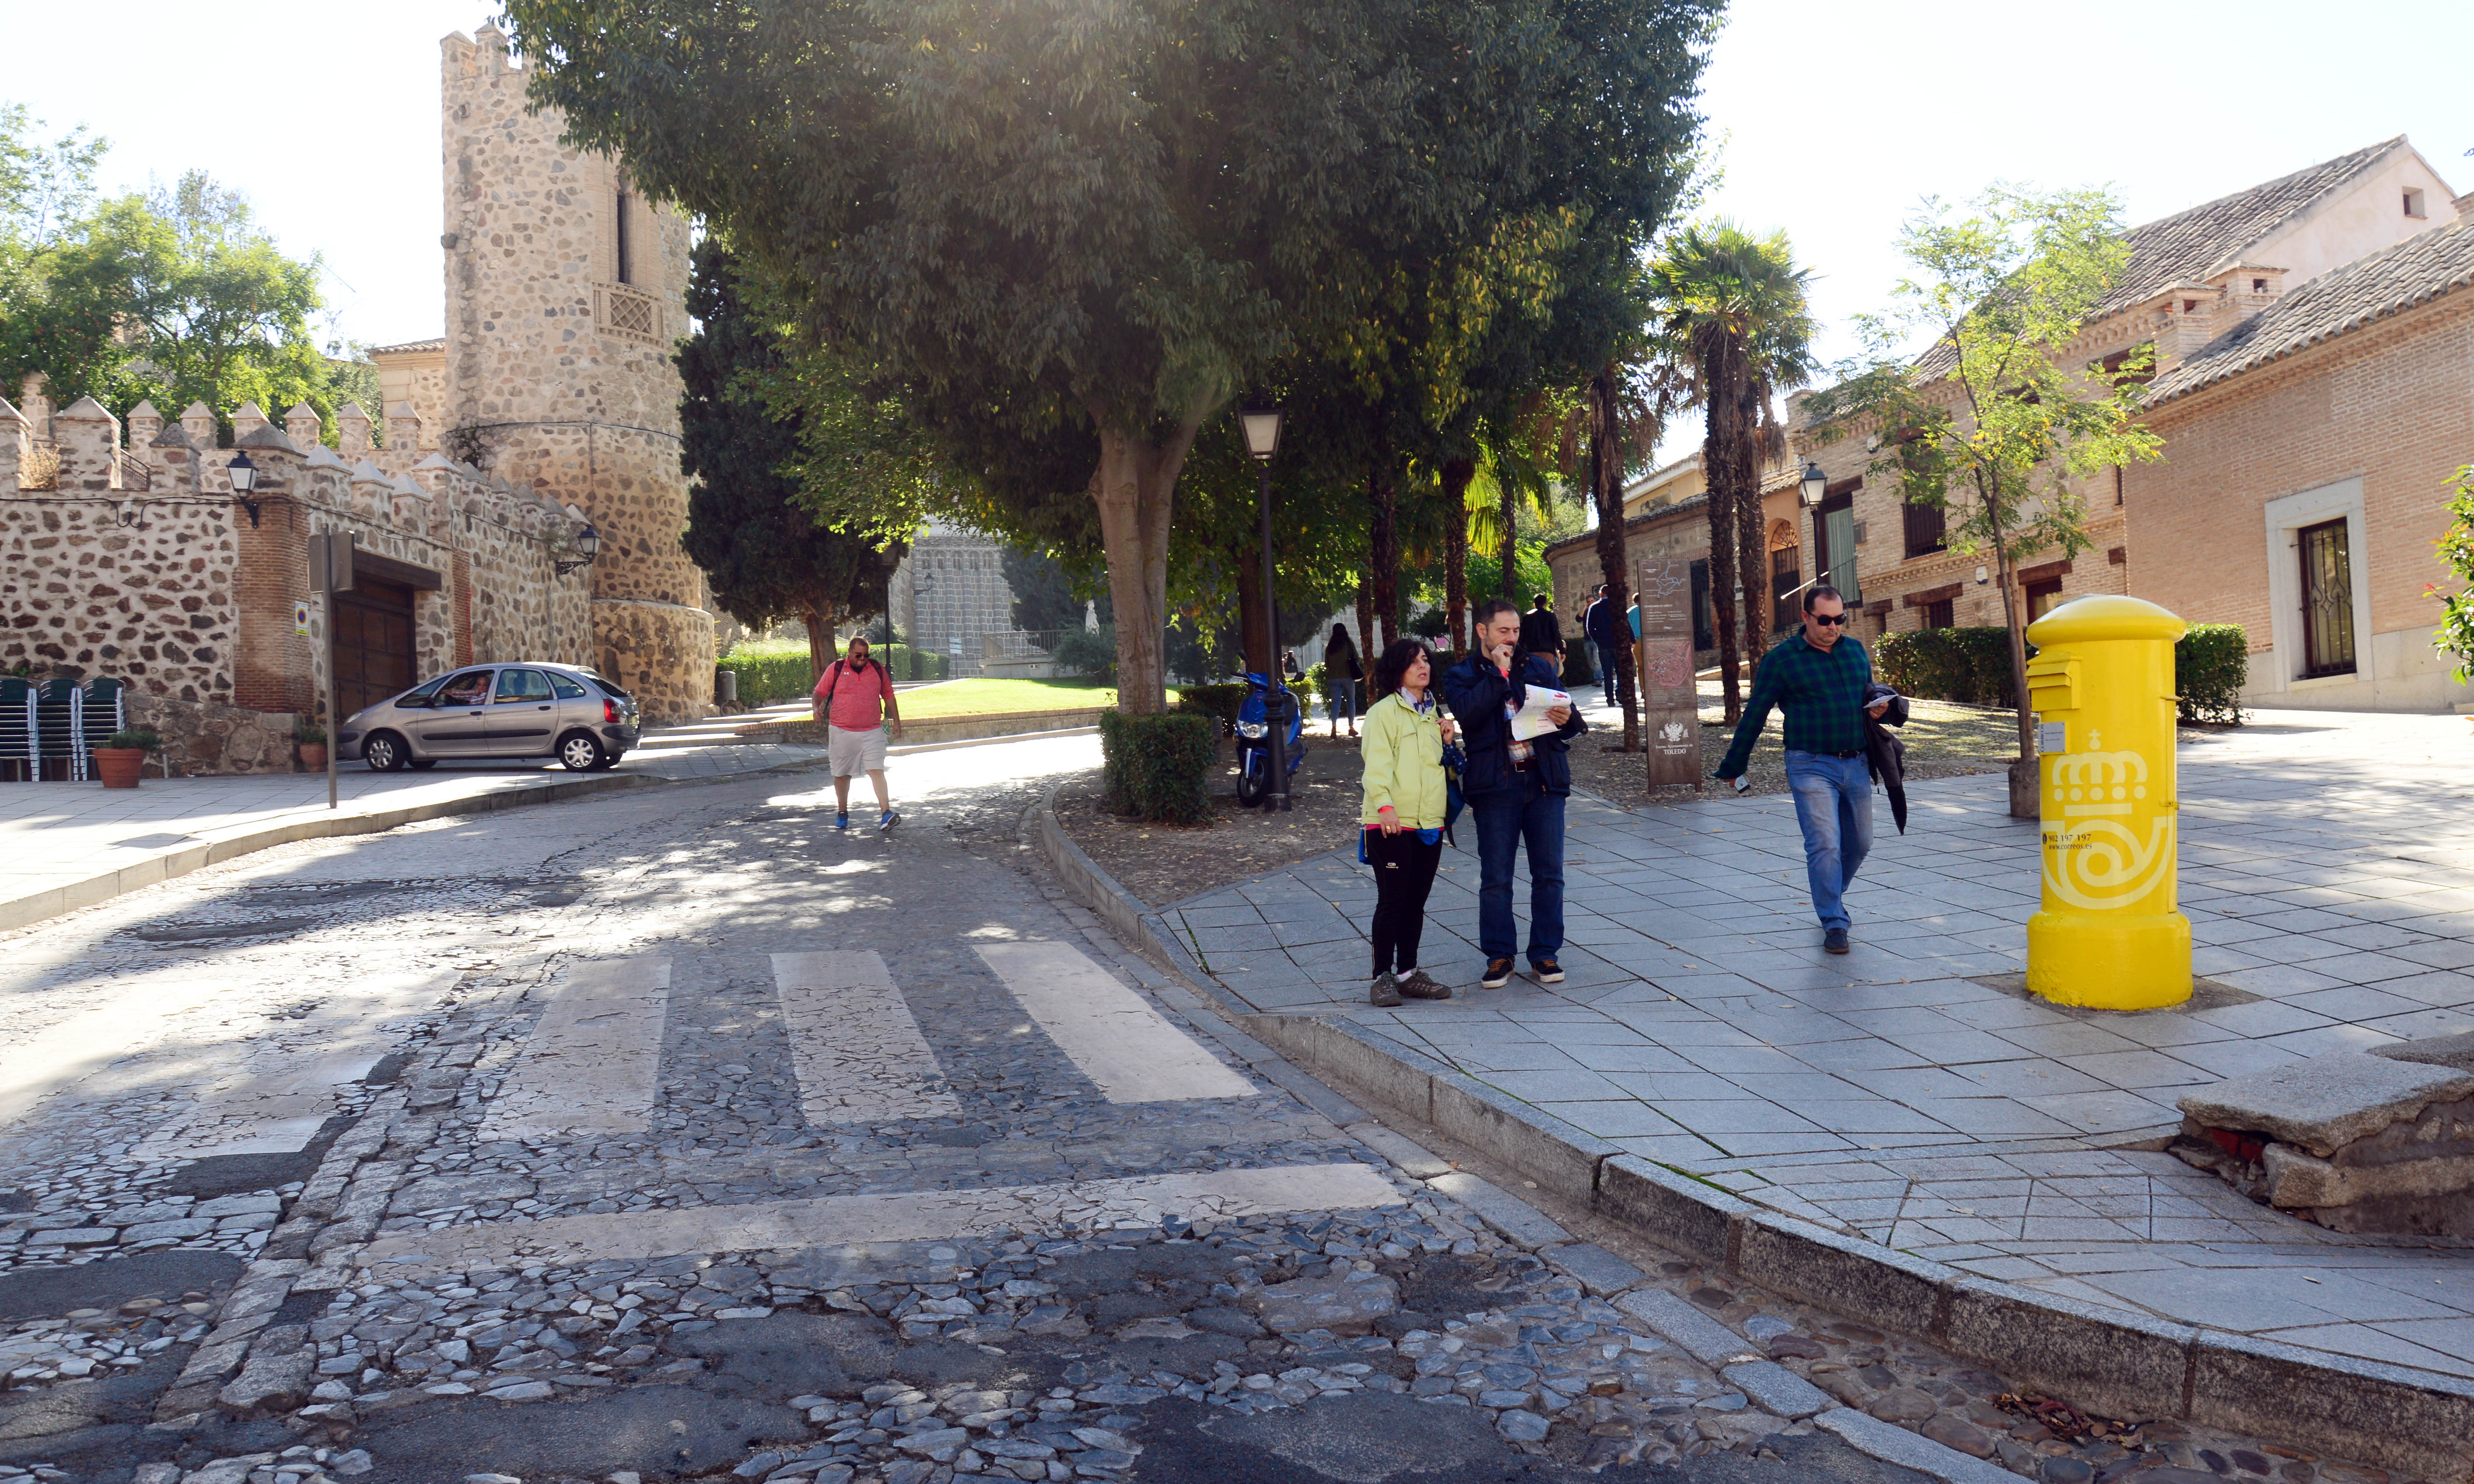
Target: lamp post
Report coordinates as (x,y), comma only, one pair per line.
(1261,420)
(244,483)
(1814,485)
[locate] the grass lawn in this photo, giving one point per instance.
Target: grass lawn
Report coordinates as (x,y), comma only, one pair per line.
(998,697)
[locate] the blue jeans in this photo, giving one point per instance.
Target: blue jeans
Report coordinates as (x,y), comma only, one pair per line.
(1834,804)
(1521,812)
(1606,656)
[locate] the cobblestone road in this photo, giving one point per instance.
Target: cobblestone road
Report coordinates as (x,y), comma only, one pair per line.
(675,1136)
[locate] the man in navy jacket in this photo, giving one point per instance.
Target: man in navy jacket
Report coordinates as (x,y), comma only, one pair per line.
(1516,789)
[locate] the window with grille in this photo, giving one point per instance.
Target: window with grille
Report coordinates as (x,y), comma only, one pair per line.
(1938,615)
(2327,600)
(625,312)
(1924,532)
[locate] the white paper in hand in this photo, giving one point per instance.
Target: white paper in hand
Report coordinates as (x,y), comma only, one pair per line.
(1530,720)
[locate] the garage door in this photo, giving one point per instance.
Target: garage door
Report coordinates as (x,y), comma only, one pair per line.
(372,643)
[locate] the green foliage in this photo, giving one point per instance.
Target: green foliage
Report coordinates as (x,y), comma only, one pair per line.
(310,734)
(1159,768)
(144,739)
(1220,701)
(1970,664)
(2211,667)
(771,671)
(906,663)
(2456,632)
(763,552)
(1091,653)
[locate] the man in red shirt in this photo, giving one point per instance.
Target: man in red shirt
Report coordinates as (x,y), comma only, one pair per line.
(855,702)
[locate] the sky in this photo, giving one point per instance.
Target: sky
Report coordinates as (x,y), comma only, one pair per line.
(1832,120)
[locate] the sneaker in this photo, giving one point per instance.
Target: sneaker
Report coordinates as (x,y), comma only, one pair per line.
(1418,984)
(1834,941)
(1385,993)
(889,820)
(1547,971)
(1498,973)
(841,822)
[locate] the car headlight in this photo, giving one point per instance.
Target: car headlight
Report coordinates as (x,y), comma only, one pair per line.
(1252,729)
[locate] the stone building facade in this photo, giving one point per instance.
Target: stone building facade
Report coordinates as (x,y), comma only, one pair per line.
(125,554)
(2198,279)
(949,597)
(549,403)
(1667,513)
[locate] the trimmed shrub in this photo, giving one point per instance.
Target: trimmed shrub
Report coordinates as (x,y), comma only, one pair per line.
(770,672)
(1969,665)
(1157,768)
(1089,652)
(1579,656)
(903,662)
(1219,701)
(2211,666)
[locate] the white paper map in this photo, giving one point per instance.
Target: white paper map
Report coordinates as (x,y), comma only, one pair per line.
(1530,720)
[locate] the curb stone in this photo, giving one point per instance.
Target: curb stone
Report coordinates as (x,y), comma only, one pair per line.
(2131,1363)
(1893,1444)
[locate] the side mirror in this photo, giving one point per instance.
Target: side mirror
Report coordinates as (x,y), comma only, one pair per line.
(411,702)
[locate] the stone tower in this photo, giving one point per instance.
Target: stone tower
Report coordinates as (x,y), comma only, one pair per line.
(564,291)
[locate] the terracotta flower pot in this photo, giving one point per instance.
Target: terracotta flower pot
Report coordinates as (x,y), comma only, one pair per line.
(313,757)
(119,766)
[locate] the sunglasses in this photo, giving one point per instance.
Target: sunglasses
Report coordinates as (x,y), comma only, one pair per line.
(1826,620)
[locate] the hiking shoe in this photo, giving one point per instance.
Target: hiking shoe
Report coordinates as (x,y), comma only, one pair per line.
(1418,984)
(1547,971)
(889,820)
(1834,941)
(1498,973)
(1385,993)
(841,822)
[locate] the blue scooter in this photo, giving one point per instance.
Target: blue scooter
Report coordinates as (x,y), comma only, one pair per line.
(1254,737)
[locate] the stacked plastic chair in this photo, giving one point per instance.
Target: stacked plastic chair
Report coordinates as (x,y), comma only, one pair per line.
(18,760)
(59,714)
(103,709)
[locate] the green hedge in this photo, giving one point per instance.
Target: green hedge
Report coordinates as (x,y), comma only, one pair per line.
(1220,701)
(1157,768)
(768,673)
(903,662)
(1969,665)
(2211,666)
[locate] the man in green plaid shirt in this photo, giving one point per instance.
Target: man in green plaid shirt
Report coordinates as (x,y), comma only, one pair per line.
(1819,677)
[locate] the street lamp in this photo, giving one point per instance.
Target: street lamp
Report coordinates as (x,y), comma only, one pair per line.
(1814,484)
(588,542)
(1261,421)
(244,483)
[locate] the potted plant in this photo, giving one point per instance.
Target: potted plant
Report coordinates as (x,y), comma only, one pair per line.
(123,754)
(311,742)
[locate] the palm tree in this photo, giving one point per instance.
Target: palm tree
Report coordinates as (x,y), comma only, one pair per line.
(1735,308)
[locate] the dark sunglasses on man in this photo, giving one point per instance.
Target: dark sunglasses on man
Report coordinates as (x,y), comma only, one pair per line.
(1826,620)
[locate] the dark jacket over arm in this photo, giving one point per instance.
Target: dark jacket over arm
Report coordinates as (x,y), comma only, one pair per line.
(1886,757)
(1476,691)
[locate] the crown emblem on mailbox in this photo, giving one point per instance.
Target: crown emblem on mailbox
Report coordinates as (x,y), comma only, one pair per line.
(2095,860)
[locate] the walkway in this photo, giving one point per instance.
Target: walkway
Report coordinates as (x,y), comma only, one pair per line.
(1910,1092)
(64,845)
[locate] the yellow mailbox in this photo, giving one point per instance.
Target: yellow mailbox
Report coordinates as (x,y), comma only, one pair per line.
(2110,936)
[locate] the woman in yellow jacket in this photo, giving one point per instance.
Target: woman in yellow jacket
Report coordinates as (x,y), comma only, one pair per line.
(1403,815)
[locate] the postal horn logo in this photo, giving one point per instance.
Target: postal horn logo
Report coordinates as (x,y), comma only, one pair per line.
(2096,857)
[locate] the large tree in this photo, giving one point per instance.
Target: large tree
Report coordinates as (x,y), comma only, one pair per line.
(765,554)
(1109,219)
(1996,423)
(1733,308)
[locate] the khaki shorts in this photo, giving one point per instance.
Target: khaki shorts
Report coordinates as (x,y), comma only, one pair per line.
(854,753)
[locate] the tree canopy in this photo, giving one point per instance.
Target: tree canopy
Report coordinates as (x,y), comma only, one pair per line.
(1061,224)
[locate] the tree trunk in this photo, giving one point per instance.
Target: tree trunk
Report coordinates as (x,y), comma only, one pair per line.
(1718,474)
(1510,544)
(1367,650)
(1134,488)
(2027,787)
(1457,474)
(1254,638)
(1752,526)
(1605,492)
(1383,538)
(820,643)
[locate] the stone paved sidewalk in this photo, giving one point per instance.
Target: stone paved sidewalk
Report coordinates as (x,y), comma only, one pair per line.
(1910,1093)
(65,844)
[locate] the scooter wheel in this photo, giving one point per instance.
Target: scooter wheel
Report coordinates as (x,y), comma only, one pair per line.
(1254,780)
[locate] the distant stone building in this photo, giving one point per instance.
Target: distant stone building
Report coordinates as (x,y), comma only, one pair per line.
(550,403)
(1667,513)
(950,597)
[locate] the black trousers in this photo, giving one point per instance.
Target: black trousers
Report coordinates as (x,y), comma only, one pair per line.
(1404,873)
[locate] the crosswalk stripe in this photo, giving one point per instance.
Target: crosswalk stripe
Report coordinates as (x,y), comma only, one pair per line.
(857,1050)
(594,1061)
(1128,1049)
(891,1216)
(288,1082)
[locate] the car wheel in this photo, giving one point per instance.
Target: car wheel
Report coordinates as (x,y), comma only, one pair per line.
(612,760)
(421,765)
(385,753)
(582,753)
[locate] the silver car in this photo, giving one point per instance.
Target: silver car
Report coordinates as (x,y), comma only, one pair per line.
(530,709)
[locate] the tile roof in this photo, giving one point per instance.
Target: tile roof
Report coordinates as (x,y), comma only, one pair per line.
(437,344)
(2421,268)
(2191,245)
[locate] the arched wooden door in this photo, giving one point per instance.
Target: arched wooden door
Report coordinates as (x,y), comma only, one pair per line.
(372,653)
